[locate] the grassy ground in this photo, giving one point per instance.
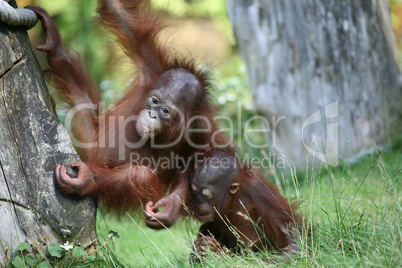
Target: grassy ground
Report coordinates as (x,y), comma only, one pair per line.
(353,213)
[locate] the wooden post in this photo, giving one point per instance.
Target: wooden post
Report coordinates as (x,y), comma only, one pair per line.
(32,142)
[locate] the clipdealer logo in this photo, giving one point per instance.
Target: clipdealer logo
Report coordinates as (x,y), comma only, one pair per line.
(330,154)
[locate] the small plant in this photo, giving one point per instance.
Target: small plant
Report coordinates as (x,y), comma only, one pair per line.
(63,255)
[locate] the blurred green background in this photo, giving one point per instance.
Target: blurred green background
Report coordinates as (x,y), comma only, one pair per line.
(201,27)
(204,29)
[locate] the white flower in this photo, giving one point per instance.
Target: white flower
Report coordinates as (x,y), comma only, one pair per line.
(67,246)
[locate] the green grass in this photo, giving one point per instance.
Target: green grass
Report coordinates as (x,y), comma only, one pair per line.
(140,246)
(353,214)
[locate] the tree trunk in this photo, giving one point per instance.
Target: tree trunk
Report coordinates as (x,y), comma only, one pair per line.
(32,142)
(323,73)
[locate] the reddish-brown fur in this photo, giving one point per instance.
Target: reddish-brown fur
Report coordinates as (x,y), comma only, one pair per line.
(121,186)
(260,204)
(254,210)
(106,175)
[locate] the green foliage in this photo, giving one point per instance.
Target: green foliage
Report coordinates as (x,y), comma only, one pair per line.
(27,260)
(146,247)
(98,50)
(78,252)
(55,250)
(18,262)
(44,264)
(236,111)
(353,218)
(59,255)
(24,246)
(72,18)
(352,213)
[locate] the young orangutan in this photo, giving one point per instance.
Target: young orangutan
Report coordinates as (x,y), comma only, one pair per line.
(163,114)
(240,209)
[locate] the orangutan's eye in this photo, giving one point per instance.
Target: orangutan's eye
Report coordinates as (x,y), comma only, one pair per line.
(165,110)
(207,193)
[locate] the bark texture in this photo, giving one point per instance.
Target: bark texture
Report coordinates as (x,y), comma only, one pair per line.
(32,142)
(320,70)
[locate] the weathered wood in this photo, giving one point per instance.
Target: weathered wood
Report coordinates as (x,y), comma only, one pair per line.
(328,66)
(32,142)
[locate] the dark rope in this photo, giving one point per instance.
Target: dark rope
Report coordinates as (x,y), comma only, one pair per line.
(17,16)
